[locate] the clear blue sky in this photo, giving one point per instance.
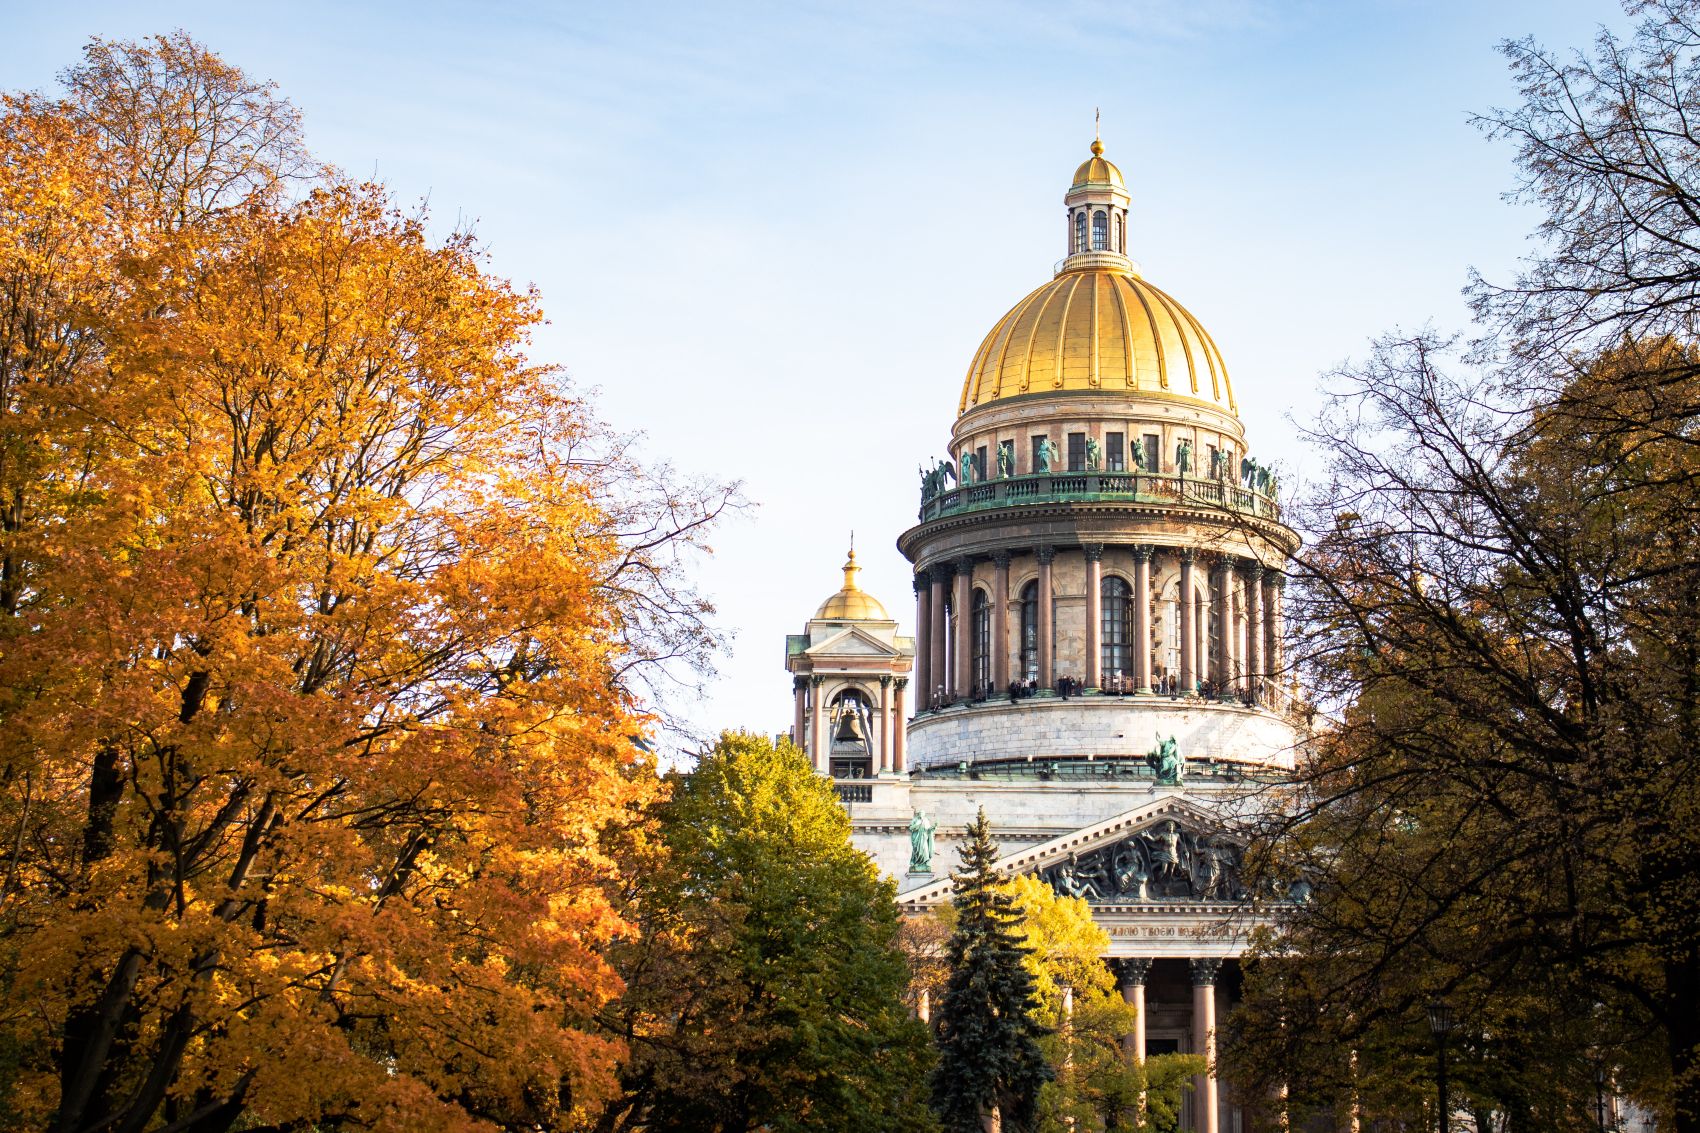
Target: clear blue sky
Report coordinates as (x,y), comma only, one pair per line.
(773,235)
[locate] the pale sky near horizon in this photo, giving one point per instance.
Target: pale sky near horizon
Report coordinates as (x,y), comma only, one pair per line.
(772,236)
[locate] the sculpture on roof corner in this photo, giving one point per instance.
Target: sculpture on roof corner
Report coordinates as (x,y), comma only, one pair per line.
(921,842)
(1166,760)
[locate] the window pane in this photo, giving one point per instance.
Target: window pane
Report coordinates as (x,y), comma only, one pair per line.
(1100,237)
(1153,452)
(1076,452)
(1116,654)
(1114,458)
(1030,631)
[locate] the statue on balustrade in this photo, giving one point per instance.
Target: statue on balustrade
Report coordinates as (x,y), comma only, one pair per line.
(937,480)
(1093,454)
(1044,451)
(1183,457)
(1006,462)
(921,842)
(968,469)
(1136,453)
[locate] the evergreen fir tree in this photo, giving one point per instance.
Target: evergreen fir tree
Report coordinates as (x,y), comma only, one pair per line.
(988,1036)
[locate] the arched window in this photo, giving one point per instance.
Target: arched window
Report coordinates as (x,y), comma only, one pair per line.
(1080,231)
(982,631)
(1120,245)
(1100,231)
(1116,623)
(1030,632)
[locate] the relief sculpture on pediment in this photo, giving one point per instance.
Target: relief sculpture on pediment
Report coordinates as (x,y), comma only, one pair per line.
(1163,862)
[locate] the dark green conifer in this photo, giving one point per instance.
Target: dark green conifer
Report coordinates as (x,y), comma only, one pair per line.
(988,1038)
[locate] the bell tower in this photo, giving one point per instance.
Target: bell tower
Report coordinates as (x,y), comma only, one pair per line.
(849,680)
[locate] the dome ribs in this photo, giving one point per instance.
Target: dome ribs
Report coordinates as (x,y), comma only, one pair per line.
(1156,333)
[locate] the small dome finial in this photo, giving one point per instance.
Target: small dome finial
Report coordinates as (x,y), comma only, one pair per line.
(850,567)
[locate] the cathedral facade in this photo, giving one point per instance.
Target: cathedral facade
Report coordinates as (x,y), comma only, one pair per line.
(1098,575)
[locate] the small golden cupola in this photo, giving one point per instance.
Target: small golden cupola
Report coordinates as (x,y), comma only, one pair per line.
(1097,215)
(852,603)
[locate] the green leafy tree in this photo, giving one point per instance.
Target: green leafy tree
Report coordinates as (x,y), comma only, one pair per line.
(987,1028)
(1097,1087)
(767,990)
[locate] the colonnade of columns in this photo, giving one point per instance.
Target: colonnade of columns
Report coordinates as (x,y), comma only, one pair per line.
(810,719)
(1133,972)
(1246,596)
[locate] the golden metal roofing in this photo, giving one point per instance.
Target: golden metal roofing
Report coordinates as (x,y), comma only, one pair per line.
(1096,171)
(852,603)
(1098,329)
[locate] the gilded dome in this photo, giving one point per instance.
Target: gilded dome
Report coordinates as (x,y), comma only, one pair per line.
(852,603)
(1099,329)
(1096,171)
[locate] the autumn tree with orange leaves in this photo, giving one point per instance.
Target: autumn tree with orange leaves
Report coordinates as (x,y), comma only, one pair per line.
(322,608)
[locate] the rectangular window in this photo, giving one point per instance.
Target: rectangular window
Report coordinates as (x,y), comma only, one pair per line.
(1077,452)
(1211,465)
(1115,460)
(1153,452)
(979,464)
(1006,458)
(1231,466)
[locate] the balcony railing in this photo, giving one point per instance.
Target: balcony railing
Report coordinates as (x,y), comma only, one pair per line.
(1161,488)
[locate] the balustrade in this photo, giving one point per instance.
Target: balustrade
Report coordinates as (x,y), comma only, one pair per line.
(1155,487)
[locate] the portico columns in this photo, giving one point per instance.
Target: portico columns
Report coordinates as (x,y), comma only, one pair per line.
(885,724)
(900,739)
(1204,1041)
(1254,631)
(939,675)
(963,685)
(1274,587)
(1142,618)
(1000,621)
(817,726)
(1134,970)
(800,689)
(923,635)
(1045,556)
(1094,677)
(1189,617)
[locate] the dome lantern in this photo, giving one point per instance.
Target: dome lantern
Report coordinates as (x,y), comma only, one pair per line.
(1097,203)
(851,603)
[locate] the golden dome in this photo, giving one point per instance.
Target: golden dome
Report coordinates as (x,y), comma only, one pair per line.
(852,603)
(1096,171)
(1098,329)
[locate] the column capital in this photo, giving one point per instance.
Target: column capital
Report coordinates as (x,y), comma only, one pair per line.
(1094,551)
(1131,969)
(798,684)
(919,581)
(1187,555)
(965,565)
(1278,579)
(1000,559)
(941,573)
(1205,970)
(1045,554)
(1143,552)
(885,680)
(1255,571)
(817,681)
(902,683)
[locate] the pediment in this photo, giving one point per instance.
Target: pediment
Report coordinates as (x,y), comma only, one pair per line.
(1168,851)
(851,642)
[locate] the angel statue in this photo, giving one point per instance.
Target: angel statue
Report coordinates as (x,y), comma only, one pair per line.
(1183,457)
(1093,453)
